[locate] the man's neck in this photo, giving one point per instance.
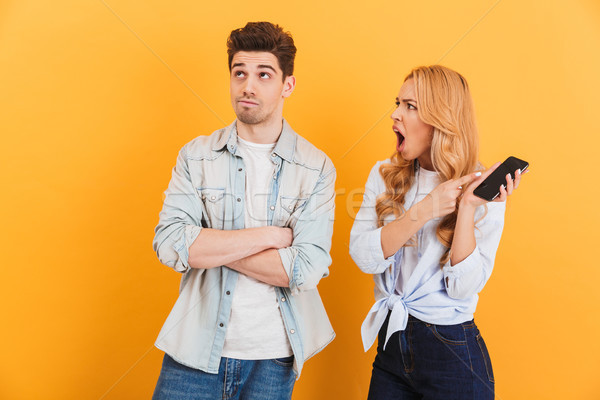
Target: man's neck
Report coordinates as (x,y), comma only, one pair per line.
(264,133)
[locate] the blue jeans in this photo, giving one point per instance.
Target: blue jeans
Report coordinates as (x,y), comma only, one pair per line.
(427,361)
(237,379)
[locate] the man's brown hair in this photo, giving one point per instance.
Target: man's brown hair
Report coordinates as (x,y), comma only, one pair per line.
(264,36)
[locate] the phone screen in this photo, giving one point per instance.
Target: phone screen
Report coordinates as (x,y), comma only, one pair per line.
(489,189)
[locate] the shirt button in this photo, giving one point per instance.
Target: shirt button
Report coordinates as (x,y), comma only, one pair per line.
(228,292)
(203,197)
(221,324)
(213,197)
(239,169)
(239,199)
(292,331)
(272,208)
(290,207)
(283,299)
(274,176)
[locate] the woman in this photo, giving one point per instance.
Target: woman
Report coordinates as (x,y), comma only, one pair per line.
(430,244)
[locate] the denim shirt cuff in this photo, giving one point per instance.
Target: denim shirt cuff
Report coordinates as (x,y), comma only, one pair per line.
(289,259)
(182,247)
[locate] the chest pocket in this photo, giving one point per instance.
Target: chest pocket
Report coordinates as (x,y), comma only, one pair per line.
(290,209)
(213,201)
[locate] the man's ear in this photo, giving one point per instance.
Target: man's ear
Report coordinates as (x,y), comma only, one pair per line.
(288,86)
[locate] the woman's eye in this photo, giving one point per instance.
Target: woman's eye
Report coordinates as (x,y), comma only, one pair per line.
(397,103)
(410,106)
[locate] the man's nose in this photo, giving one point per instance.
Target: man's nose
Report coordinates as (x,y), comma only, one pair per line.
(249,86)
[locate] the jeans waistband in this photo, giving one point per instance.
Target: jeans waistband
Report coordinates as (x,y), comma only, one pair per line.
(417,320)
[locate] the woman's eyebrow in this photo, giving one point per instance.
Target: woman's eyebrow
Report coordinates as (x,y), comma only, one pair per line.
(405,100)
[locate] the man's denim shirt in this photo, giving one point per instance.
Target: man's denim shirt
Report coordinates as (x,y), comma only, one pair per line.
(207,191)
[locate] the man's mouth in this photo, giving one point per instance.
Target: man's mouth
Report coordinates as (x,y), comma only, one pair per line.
(247,103)
(400,137)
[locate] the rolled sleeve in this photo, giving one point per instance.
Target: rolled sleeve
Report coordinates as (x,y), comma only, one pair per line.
(288,257)
(365,236)
(465,278)
(179,220)
(468,277)
(308,259)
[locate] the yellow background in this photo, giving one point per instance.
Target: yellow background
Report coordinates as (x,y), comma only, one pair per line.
(97,97)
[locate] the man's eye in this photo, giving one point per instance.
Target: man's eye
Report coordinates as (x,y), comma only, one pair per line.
(238,74)
(264,75)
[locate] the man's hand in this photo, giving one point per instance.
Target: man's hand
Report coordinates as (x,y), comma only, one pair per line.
(278,237)
(213,247)
(266,266)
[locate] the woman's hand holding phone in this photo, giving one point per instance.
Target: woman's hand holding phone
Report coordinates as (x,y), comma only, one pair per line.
(471,200)
(442,200)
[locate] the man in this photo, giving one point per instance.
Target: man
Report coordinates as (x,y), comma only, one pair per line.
(247,219)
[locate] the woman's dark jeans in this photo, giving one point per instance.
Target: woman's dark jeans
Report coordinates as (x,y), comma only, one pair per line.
(427,361)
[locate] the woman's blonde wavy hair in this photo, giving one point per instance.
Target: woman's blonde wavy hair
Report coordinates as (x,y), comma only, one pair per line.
(444,102)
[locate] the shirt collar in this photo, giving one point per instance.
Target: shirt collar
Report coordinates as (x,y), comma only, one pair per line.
(285,147)
(228,138)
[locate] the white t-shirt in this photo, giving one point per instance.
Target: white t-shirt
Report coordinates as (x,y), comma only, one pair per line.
(426,182)
(256,330)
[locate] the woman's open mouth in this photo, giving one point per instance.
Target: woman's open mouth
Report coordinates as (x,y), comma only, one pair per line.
(400,137)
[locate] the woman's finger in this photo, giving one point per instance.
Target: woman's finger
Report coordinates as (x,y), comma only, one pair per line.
(502,196)
(509,184)
(517,179)
(463,180)
(477,177)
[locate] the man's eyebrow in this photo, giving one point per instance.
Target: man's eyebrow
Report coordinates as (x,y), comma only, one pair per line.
(259,66)
(267,66)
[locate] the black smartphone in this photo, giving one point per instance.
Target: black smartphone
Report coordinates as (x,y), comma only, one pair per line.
(489,189)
